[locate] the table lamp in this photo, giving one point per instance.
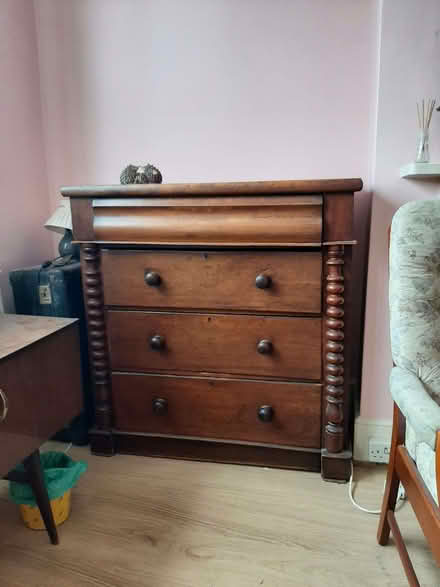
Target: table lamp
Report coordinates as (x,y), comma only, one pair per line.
(61,222)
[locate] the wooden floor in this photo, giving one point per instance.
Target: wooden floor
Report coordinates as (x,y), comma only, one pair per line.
(140,522)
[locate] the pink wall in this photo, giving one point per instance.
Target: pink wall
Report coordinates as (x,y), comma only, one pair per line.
(24,201)
(217,90)
(211,91)
(409,70)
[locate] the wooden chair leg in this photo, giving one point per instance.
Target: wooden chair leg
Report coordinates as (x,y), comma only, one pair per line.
(392,484)
(437,464)
(34,471)
(403,553)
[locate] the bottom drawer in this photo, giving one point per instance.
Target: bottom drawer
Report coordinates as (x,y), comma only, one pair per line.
(242,410)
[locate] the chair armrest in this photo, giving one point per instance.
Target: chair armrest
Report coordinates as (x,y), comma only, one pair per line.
(415,403)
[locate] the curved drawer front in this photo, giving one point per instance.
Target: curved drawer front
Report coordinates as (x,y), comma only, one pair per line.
(278,413)
(250,221)
(259,281)
(215,343)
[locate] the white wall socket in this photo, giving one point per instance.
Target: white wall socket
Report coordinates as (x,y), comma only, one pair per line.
(378,451)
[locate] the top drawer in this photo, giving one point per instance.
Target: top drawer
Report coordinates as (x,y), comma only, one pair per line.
(286,282)
(288,221)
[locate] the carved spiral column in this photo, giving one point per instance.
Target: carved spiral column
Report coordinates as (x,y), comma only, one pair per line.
(93,297)
(334,349)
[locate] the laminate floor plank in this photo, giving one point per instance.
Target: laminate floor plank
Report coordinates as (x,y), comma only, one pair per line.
(144,522)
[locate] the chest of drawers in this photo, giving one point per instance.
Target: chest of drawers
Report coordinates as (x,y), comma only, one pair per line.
(219,320)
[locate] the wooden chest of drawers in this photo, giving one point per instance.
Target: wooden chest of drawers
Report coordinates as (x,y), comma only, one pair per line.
(218,320)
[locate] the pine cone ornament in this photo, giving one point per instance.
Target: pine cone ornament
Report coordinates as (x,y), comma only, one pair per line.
(140,174)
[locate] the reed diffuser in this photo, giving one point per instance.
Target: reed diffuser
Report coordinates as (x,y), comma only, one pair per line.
(424,115)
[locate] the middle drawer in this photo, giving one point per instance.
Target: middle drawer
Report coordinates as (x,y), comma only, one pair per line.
(275,282)
(215,343)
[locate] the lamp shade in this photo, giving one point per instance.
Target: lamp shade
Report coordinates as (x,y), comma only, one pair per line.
(61,218)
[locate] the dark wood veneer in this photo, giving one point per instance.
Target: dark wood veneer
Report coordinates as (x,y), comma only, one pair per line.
(338,218)
(82,219)
(92,288)
(38,406)
(40,393)
(227,407)
(234,188)
(181,222)
(215,343)
(222,452)
(214,279)
(267,298)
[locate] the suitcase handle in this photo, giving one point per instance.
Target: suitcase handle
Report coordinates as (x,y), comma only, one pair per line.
(4,411)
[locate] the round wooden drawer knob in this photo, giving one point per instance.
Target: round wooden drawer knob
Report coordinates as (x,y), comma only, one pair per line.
(263,281)
(152,278)
(160,405)
(265,347)
(3,405)
(265,413)
(157,342)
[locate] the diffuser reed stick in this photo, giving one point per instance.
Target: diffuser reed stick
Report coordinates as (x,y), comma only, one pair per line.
(424,119)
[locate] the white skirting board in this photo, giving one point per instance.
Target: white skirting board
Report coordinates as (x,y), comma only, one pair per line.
(366,429)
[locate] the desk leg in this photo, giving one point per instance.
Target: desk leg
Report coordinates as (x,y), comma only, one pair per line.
(36,479)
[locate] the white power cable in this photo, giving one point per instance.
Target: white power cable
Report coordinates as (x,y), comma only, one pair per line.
(401,497)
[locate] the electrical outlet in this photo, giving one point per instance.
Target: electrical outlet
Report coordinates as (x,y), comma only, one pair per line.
(378,451)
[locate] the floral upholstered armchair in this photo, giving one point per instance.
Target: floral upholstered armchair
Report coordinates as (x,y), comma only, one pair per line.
(414,295)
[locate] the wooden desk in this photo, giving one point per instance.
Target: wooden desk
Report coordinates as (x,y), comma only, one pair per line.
(40,389)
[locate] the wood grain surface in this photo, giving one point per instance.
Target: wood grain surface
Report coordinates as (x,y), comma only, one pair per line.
(214,280)
(302,186)
(97,337)
(179,266)
(237,222)
(215,343)
(423,504)
(219,451)
(82,219)
(145,522)
(19,331)
(198,407)
(42,384)
(338,218)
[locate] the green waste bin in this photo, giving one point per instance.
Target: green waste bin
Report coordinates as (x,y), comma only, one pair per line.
(61,473)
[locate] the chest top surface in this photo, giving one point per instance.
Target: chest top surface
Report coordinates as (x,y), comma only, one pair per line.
(233,188)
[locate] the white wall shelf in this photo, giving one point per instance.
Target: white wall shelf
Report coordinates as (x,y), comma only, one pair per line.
(420,170)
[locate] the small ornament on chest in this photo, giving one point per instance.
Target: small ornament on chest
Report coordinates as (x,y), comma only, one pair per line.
(140,174)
